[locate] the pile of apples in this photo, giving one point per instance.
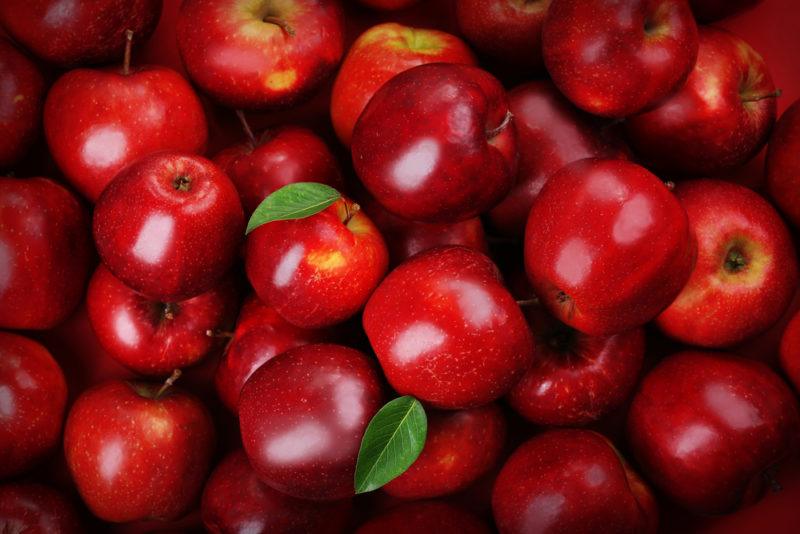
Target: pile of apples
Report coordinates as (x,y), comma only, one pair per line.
(526,230)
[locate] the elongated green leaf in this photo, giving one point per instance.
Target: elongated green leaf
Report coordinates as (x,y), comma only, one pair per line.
(392,442)
(293,201)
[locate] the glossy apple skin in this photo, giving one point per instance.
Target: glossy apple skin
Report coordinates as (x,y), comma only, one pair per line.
(425,146)
(706,127)
(36,509)
(135,456)
(425,517)
(616,59)
(169,226)
(706,426)
(783,164)
(282,156)
(45,253)
(710,10)
(551,133)
(460,447)
(508,31)
(235,500)
(317,271)
(790,351)
(33,394)
(243,62)
(607,246)
(447,331)
(376,56)
(303,415)
(260,335)
(21,98)
(78,32)
(151,337)
(97,122)
(745,261)
(571,481)
(406,238)
(576,378)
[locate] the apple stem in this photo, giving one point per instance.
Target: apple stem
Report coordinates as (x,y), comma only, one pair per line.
(246,127)
(774,94)
(169,312)
(126,62)
(528,302)
(219,334)
(491,134)
(350,209)
(282,24)
(176,374)
(670,185)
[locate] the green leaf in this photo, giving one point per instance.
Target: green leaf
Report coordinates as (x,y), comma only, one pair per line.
(293,201)
(392,442)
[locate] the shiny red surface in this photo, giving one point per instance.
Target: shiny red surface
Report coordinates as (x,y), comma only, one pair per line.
(303,415)
(97,122)
(434,143)
(45,252)
(36,509)
(33,395)
(167,239)
(783,164)
(607,246)
(21,97)
(618,58)
(446,330)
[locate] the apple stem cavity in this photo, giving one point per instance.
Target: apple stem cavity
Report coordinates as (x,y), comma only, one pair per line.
(126,61)
(494,132)
(176,374)
(755,98)
(246,127)
(282,24)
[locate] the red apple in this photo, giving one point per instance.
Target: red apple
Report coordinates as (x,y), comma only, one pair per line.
(447,331)
(551,133)
(98,122)
(21,97)
(718,120)
(138,450)
(260,335)
(376,56)
(45,253)
(33,394)
(406,238)
(235,500)
(746,270)
(425,517)
(36,509)
(75,32)
(302,417)
(317,271)
(169,226)
(706,427)
(506,31)
(436,143)
(388,5)
(790,351)
(260,54)
(460,447)
(281,156)
(618,58)
(783,164)
(152,337)
(607,246)
(576,378)
(710,10)
(571,481)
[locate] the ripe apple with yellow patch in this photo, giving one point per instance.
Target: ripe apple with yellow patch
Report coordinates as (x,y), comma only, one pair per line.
(320,270)
(257,54)
(746,269)
(376,56)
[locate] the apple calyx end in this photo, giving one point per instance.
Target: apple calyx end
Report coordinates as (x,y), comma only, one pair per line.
(182,183)
(735,261)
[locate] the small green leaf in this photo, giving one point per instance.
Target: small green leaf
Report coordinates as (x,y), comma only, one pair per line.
(392,442)
(293,201)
